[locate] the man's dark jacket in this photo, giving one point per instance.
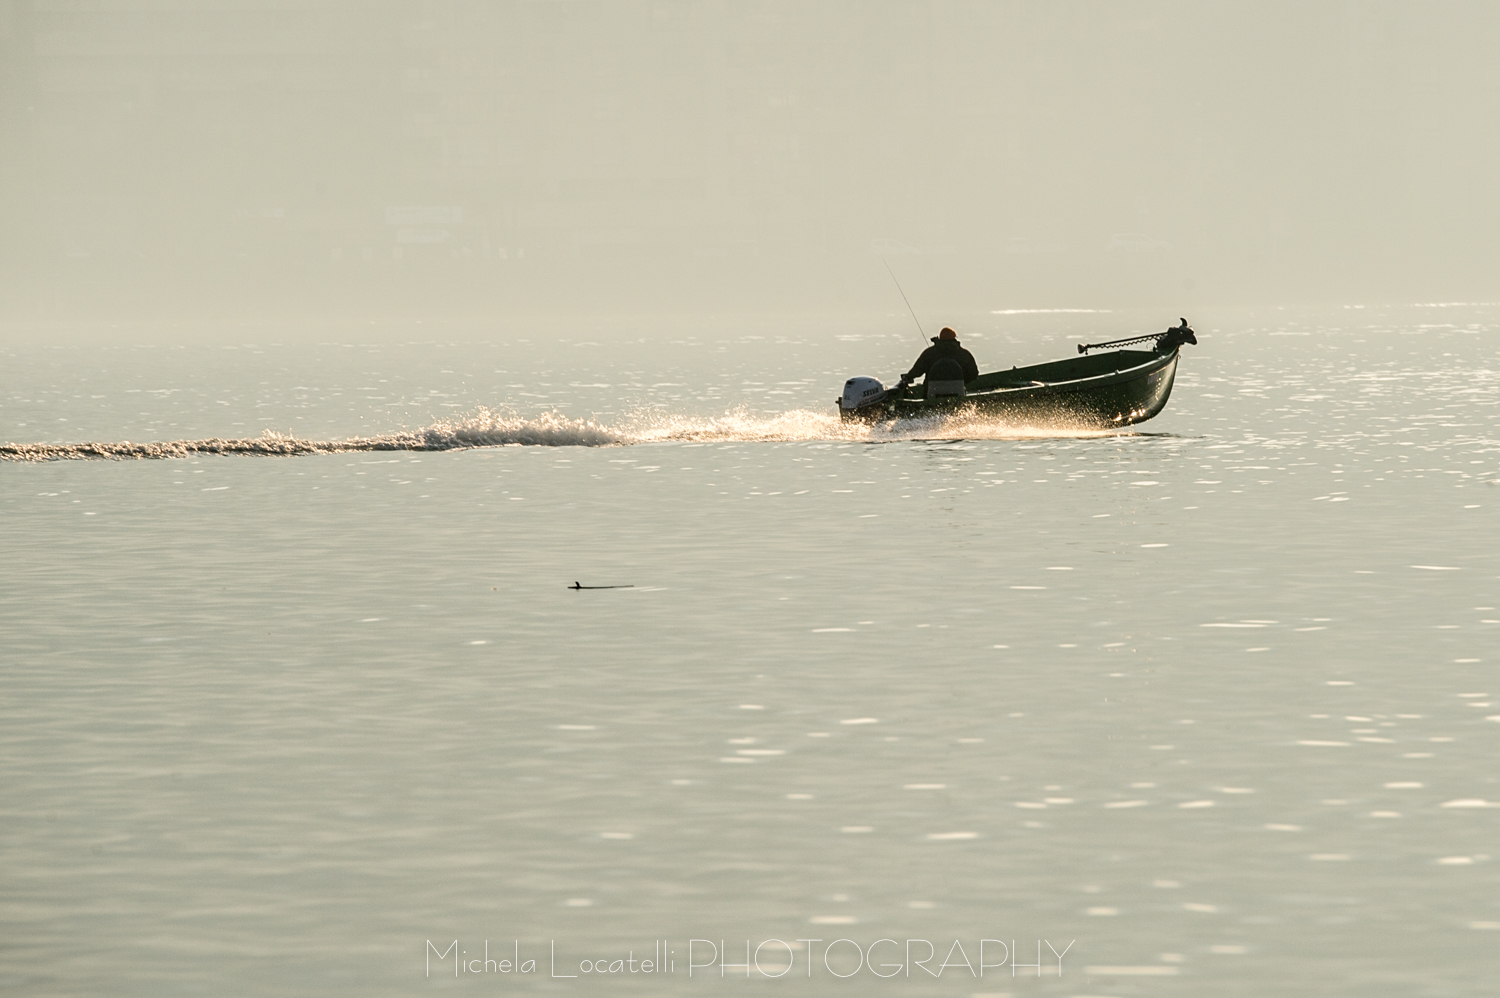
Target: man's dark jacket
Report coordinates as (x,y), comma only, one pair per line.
(939,350)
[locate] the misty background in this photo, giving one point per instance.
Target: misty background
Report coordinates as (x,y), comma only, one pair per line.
(164,159)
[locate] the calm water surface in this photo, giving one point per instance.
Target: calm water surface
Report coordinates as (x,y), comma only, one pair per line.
(1215,703)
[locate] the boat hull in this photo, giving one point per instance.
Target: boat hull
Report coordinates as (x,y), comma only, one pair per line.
(1095,392)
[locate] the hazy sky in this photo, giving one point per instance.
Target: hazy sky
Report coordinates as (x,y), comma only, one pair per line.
(165,158)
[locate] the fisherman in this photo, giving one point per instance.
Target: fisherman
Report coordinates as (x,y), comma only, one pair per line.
(946,365)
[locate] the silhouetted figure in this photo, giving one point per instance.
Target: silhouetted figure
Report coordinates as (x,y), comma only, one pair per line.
(946,366)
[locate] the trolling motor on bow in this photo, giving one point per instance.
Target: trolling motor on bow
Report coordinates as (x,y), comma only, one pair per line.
(1165,342)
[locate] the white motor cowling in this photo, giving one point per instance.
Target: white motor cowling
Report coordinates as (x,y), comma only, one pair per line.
(860,391)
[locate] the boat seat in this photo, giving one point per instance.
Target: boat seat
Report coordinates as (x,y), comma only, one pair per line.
(945,379)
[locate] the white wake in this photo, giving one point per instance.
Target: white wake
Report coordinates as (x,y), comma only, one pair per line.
(486,428)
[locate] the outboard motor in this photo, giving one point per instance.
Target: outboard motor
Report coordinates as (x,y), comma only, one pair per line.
(859,392)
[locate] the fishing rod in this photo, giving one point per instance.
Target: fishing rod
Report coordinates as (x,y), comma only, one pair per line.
(913,311)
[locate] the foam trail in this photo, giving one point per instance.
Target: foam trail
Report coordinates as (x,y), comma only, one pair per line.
(806,425)
(489,429)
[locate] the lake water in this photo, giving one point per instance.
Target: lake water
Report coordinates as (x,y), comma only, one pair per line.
(1213,703)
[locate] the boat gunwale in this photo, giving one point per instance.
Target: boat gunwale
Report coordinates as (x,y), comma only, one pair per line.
(1143,369)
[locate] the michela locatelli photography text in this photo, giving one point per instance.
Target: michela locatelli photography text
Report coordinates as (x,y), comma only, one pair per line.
(767,958)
